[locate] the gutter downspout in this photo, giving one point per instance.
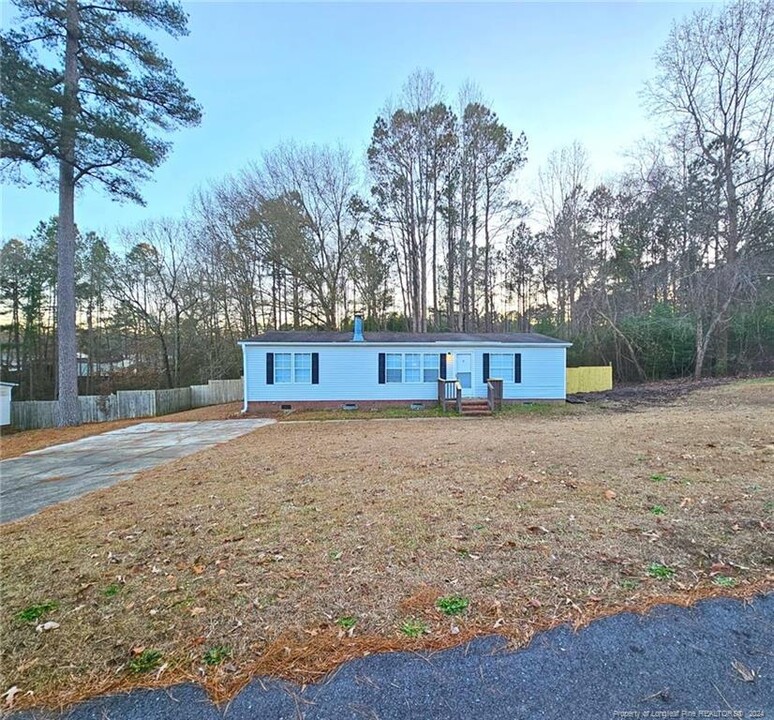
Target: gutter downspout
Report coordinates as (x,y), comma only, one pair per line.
(244,380)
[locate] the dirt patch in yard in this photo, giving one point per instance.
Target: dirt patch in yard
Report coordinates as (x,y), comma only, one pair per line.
(665,392)
(17,442)
(292,549)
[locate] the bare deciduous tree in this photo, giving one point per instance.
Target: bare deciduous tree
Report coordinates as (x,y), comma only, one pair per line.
(716,76)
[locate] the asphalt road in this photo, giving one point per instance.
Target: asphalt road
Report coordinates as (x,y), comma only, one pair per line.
(672,663)
(54,474)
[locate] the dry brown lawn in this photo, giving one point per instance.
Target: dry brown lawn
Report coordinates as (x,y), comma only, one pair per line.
(249,557)
(15,443)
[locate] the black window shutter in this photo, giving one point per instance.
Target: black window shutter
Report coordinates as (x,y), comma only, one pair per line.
(442,366)
(270,368)
(517,368)
(315,368)
(486,367)
(382,364)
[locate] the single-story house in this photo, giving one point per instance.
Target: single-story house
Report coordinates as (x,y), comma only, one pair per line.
(289,370)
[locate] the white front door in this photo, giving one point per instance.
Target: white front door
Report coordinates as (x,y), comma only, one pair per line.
(463,367)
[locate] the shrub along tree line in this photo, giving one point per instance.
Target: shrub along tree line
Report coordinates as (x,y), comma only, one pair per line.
(666,270)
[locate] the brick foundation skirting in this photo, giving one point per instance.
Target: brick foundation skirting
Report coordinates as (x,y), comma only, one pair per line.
(274,408)
(264,408)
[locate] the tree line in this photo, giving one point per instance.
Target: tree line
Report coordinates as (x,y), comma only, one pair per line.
(665,270)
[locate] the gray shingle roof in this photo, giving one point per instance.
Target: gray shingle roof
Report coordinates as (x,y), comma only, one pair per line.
(326,336)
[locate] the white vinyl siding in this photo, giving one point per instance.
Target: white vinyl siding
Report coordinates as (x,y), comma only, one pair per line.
(501,366)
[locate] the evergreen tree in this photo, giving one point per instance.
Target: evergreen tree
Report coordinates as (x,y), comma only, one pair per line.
(83,94)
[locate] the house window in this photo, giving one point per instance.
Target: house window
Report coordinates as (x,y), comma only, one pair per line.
(501,366)
(394,367)
(302,367)
(411,367)
(431,367)
(292,368)
(282,367)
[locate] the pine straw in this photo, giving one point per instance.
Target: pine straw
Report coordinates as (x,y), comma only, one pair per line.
(17,442)
(261,544)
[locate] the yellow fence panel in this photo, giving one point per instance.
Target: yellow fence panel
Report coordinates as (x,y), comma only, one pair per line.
(589,379)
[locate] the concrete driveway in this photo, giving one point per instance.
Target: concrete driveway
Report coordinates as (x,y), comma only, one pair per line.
(62,472)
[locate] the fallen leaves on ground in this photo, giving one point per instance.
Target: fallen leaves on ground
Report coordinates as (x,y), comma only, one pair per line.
(262,544)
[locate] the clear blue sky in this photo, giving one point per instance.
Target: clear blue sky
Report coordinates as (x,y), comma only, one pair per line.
(321,72)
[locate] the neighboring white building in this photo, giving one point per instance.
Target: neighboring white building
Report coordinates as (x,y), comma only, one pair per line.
(5,402)
(103,369)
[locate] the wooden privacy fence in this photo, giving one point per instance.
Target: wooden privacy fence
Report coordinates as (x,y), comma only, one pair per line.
(217,392)
(127,404)
(200,395)
(135,403)
(172,401)
(589,379)
(225,391)
(34,414)
(96,408)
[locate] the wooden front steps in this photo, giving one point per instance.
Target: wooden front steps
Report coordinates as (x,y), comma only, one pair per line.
(475,407)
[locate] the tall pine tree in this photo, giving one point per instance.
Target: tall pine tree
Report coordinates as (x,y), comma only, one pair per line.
(83,97)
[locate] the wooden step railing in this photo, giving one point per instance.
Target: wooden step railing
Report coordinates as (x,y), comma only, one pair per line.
(449,391)
(494,393)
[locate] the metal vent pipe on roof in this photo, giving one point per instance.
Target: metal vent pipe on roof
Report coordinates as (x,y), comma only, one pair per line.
(357,330)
